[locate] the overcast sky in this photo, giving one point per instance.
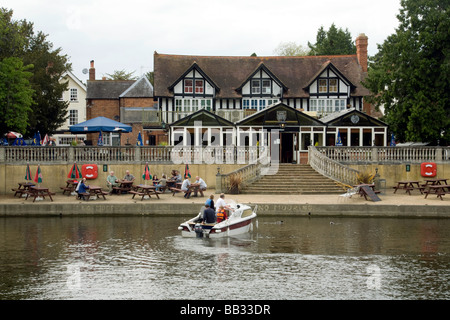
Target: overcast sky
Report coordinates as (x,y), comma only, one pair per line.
(123,35)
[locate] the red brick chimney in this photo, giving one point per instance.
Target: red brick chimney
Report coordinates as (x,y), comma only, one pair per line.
(361,50)
(92,71)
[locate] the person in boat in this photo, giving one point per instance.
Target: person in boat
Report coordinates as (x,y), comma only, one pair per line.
(185,188)
(221,215)
(210,202)
(221,202)
(209,216)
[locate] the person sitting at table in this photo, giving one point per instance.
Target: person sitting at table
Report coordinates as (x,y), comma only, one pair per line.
(185,188)
(202,185)
(155,180)
(111,181)
(128,176)
(162,183)
(177,176)
(82,188)
(221,215)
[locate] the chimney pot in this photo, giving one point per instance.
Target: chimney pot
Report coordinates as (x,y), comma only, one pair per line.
(92,71)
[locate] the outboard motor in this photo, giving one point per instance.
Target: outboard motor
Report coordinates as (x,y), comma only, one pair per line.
(198,230)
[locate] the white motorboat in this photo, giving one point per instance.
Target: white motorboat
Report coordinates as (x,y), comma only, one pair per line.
(240,221)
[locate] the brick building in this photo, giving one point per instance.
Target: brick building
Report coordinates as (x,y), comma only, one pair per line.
(127,101)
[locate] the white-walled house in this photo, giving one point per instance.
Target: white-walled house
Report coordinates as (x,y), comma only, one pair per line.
(76,96)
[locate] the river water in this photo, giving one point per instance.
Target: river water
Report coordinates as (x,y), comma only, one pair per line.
(283,258)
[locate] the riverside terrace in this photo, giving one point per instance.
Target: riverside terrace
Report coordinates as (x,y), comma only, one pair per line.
(215,164)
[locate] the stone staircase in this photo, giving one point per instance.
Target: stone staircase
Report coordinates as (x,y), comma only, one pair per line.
(294,179)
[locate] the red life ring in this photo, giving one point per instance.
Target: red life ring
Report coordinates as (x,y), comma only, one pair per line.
(428,169)
(89,171)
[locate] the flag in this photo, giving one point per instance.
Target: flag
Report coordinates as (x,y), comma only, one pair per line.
(46,140)
(19,142)
(338,140)
(28,173)
(36,139)
(75,172)
(187,172)
(392,144)
(147,175)
(139,140)
(100,139)
(38,176)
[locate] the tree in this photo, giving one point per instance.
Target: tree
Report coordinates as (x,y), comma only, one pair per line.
(332,42)
(18,40)
(291,49)
(16,95)
(410,75)
(49,111)
(121,75)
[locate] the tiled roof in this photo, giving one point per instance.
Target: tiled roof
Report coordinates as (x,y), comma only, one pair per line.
(229,73)
(107,89)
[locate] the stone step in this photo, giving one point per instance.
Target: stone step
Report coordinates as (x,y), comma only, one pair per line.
(294,179)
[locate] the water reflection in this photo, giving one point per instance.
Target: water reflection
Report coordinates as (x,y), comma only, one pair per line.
(293,258)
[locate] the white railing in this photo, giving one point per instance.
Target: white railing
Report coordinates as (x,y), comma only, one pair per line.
(132,154)
(386,154)
(331,168)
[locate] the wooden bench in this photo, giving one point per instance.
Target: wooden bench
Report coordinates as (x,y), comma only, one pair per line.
(19,192)
(85,196)
(175,190)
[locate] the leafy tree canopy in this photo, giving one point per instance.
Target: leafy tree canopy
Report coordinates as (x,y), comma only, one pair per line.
(45,64)
(410,75)
(291,49)
(332,42)
(121,75)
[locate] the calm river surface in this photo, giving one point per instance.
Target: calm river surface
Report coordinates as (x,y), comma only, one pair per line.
(298,258)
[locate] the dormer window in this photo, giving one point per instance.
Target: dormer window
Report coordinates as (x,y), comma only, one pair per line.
(188,86)
(333,85)
(256,86)
(199,86)
(323,87)
(266,86)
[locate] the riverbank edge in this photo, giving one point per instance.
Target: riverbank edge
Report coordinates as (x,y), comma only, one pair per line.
(98,209)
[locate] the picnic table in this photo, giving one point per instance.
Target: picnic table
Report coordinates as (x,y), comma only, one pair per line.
(23,189)
(367,191)
(438,189)
(408,186)
(94,191)
(36,192)
(70,187)
(145,190)
(124,186)
(434,181)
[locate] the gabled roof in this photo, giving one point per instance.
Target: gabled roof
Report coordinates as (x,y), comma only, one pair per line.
(261,66)
(329,65)
(229,73)
(207,118)
(107,89)
(351,117)
(74,78)
(270,117)
(194,66)
(142,88)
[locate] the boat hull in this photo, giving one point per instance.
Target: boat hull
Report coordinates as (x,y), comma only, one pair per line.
(228,228)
